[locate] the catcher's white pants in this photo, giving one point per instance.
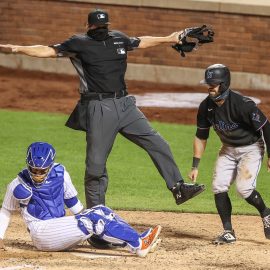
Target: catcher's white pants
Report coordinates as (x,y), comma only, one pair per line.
(240,164)
(56,234)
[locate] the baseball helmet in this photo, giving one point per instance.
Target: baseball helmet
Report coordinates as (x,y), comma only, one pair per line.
(39,160)
(217,74)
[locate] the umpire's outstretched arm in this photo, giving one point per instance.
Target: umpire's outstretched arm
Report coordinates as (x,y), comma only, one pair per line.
(150,41)
(46,51)
(35,50)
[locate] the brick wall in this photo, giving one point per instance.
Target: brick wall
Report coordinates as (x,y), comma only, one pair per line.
(242,41)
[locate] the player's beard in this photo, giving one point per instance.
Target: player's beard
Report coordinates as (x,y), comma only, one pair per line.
(99,34)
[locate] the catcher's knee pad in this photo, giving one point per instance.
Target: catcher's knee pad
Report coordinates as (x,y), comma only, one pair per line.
(90,222)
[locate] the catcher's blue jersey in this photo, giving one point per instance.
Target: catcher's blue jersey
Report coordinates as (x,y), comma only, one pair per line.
(47,201)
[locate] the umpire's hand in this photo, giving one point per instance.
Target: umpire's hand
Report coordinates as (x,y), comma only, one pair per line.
(8,48)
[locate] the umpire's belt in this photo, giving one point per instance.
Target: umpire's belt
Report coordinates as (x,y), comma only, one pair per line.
(101,96)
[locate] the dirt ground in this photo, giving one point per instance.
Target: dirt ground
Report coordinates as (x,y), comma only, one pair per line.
(186,238)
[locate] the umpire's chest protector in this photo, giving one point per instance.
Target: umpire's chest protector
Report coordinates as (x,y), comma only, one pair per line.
(47,201)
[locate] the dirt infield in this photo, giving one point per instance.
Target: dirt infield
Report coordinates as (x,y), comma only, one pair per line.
(186,245)
(186,238)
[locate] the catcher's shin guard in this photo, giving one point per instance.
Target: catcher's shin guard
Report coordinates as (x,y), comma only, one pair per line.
(104,223)
(184,191)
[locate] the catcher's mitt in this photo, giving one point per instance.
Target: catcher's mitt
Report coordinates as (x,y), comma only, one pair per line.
(193,37)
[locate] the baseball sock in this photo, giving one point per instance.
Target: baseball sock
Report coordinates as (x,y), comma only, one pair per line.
(224,208)
(256,200)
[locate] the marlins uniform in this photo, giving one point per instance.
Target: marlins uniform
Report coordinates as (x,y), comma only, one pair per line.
(241,127)
(238,123)
(42,205)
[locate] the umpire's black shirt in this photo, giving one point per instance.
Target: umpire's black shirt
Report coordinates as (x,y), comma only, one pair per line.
(101,65)
(238,121)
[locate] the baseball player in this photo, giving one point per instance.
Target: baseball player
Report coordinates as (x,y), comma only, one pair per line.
(43,189)
(241,127)
(105,109)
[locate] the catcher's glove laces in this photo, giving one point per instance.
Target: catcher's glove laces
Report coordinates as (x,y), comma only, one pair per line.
(191,38)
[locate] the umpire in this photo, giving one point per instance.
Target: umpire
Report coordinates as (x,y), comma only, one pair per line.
(104,109)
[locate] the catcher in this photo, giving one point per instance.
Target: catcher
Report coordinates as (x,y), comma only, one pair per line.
(43,189)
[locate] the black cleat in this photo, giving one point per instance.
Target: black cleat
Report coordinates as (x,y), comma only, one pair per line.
(184,191)
(266,226)
(227,237)
(99,243)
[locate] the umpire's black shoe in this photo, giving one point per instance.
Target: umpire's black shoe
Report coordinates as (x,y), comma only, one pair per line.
(183,191)
(99,243)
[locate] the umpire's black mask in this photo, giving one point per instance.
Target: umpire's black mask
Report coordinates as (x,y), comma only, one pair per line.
(99,34)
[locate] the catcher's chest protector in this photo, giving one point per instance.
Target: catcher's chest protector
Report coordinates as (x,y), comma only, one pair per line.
(47,201)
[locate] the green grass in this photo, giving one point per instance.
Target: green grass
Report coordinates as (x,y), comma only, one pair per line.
(134,181)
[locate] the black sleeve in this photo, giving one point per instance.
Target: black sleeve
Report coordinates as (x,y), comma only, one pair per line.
(130,42)
(203,124)
(67,48)
(266,136)
(202,134)
(252,115)
(133,43)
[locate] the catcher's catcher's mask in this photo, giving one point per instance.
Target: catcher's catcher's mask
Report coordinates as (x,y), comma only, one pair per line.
(39,160)
(38,175)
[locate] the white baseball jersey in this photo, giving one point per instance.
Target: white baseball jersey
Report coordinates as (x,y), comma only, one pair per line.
(48,232)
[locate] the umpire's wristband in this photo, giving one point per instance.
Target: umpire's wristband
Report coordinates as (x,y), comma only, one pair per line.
(195,163)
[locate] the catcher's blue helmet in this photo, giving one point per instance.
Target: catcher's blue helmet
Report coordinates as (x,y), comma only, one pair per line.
(39,159)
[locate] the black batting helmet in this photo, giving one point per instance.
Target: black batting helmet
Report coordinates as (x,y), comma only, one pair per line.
(217,74)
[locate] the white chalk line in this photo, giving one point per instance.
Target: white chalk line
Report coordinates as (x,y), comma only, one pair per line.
(94,256)
(174,100)
(25,266)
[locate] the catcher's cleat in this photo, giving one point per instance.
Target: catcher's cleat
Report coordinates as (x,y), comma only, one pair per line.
(146,233)
(148,242)
(227,237)
(99,243)
(184,191)
(156,244)
(266,225)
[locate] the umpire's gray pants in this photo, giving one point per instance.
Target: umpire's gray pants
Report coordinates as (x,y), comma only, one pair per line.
(104,120)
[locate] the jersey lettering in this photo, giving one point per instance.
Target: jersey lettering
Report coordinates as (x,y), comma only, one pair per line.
(222,126)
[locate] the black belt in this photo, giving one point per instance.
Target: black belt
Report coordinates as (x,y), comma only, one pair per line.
(101,96)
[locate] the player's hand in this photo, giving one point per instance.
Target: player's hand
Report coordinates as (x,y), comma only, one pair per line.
(193,174)
(268,165)
(8,48)
(2,246)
